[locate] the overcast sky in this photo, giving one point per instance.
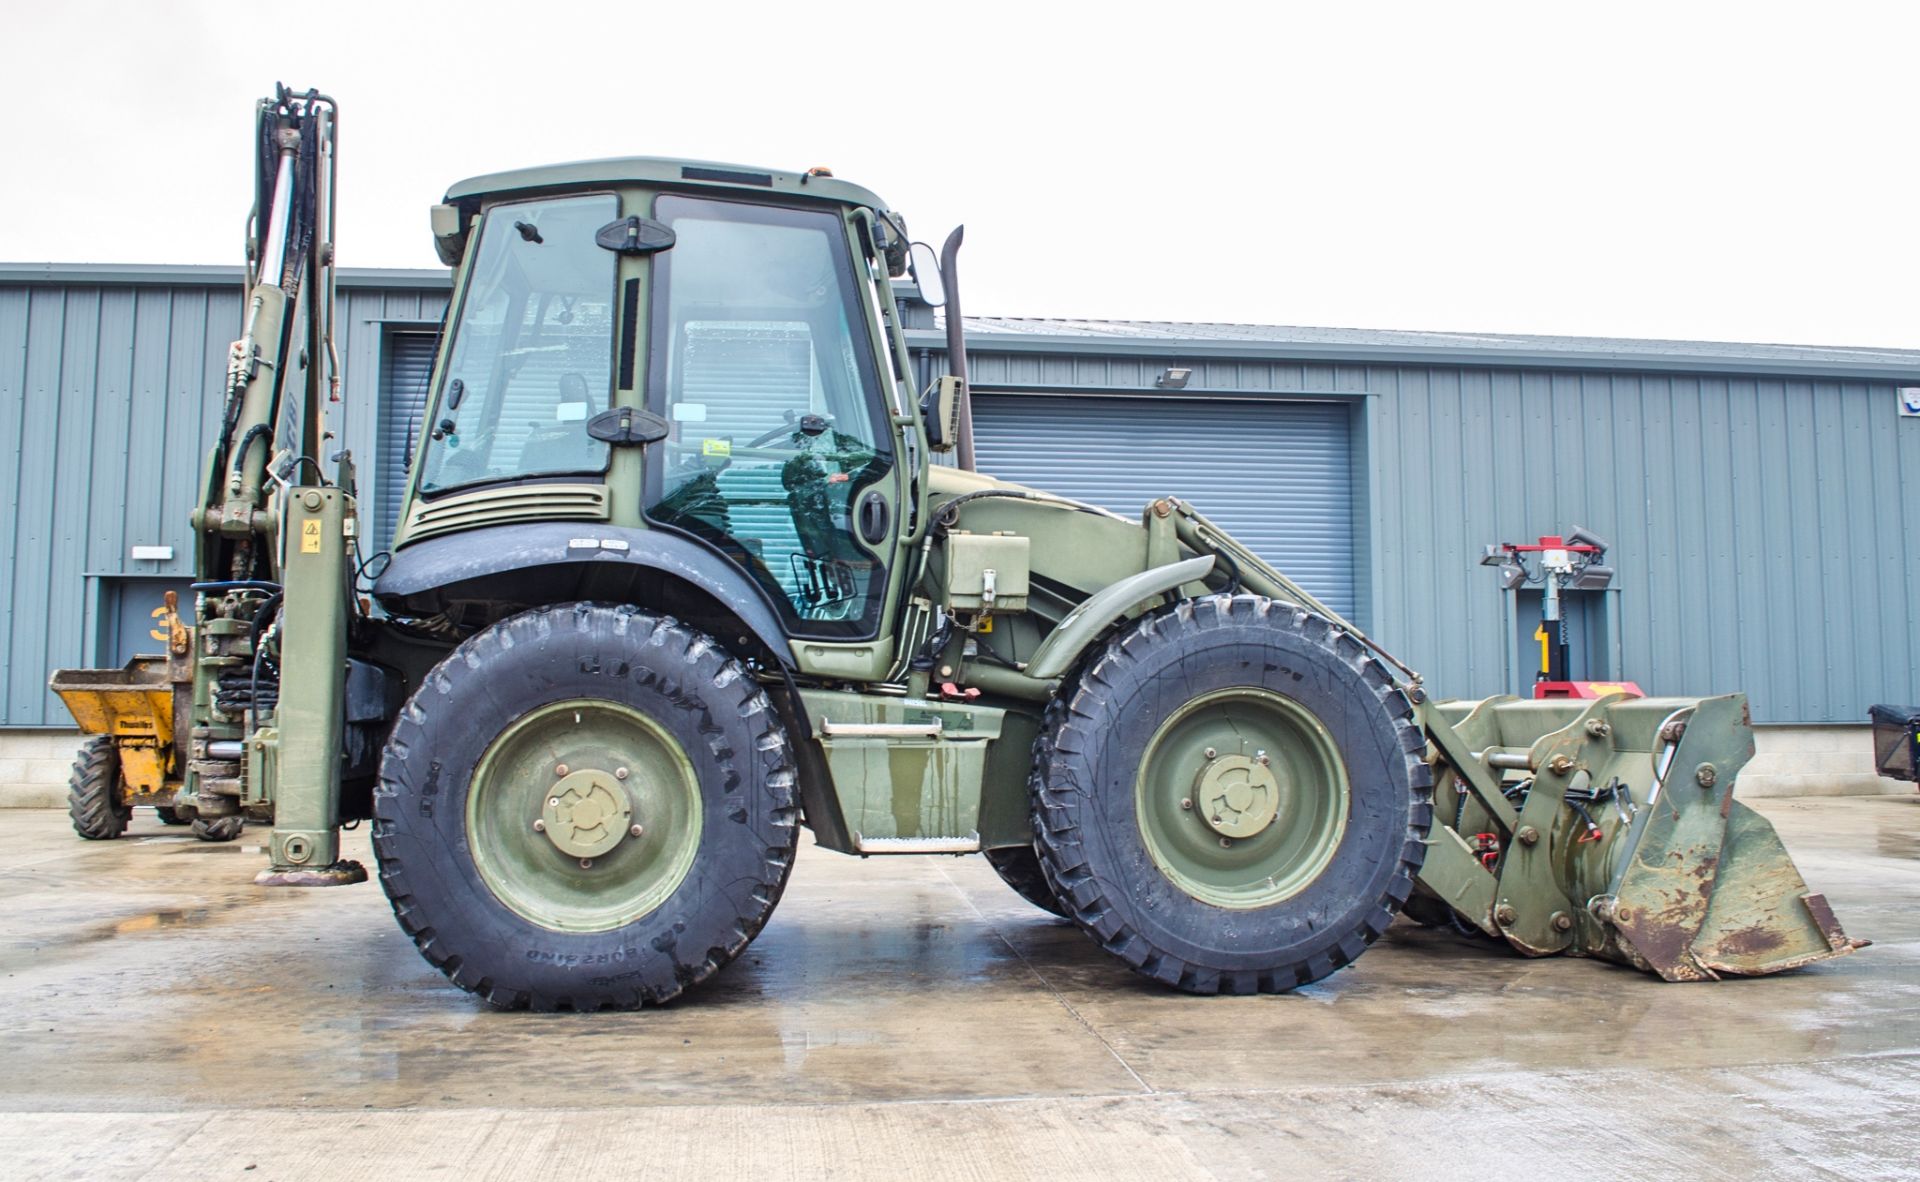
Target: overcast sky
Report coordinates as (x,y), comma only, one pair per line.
(1734,172)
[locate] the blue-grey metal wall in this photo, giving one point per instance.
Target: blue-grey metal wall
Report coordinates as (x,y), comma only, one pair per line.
(1764,528)
(110,384)
(1235,463)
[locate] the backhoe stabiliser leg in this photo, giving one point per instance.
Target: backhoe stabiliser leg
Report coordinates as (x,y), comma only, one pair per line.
(310,722)
(1609,829)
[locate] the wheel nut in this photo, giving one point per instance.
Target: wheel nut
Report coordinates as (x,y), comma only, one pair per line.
(1260,757)
(539,826)
(1186,802)
(554,801)
(1505,914)
(1528,835)
(1562,921)
(620,773)
(1226,843)
(560,770)
(586,863)
(637,830)
(1212,754)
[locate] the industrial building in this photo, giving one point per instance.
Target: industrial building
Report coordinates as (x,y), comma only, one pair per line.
(1758,499)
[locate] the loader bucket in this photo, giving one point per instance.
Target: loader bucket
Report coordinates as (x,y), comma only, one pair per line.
(1609,829)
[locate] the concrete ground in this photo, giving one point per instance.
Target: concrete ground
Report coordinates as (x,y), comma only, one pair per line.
(160,1017)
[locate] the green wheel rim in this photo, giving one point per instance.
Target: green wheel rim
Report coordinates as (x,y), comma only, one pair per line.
(515,785)
(1294,804)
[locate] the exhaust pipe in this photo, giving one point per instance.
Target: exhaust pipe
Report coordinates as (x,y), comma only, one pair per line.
(957,342)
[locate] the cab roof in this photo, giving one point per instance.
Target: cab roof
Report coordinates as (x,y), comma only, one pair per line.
(663,170)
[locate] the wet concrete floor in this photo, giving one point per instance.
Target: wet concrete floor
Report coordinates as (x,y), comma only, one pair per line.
(160,1017)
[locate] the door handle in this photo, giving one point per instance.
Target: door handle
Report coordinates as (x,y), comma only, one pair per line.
(873,518)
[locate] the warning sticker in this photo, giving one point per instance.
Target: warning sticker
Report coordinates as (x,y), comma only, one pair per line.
(310,536)
(716,447)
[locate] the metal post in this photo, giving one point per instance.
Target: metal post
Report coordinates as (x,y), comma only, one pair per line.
(310,721)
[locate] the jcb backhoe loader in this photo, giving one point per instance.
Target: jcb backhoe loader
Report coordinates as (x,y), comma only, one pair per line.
(677,575)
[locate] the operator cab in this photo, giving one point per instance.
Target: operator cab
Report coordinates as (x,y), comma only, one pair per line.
(744,316)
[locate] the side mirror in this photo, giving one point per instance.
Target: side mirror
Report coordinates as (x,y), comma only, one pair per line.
(940,409)
(925,268)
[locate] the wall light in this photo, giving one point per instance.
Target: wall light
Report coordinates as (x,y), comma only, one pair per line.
(1173,379)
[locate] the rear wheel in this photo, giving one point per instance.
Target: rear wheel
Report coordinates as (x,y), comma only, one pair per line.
(585,807)
(1019,868)
(94,800)
(1234,799)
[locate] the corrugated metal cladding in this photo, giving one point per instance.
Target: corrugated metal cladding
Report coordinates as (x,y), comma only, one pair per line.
(109,394)
(406,367)
(1235,461)
(1763,528)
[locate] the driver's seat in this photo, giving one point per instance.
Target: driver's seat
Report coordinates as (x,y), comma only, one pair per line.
(563,445)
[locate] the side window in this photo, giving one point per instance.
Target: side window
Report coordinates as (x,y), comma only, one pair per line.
(532,351)
(760,362)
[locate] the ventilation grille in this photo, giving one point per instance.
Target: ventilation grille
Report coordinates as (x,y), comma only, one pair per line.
(547,502)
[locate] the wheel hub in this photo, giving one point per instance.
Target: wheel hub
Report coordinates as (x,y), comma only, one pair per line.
(1237,795)
(586,813)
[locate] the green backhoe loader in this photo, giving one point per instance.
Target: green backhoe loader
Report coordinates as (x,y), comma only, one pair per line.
(680,572)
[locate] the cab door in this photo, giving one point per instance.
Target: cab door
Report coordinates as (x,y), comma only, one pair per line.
(781,454)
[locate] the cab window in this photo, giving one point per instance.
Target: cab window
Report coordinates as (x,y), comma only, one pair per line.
(761,363)
(532,353)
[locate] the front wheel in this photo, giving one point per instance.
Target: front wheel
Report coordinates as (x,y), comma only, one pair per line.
(585,807)
(1233,799)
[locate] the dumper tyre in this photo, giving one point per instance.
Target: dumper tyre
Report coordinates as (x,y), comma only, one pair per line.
(1235,799)
(584,708)
(219,828)
(169,815)
(94,800)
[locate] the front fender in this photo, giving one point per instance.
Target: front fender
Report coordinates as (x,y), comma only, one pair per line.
(1064,645)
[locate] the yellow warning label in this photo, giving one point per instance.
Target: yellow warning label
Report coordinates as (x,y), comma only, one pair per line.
(986,625)
(310,536)
(716,447)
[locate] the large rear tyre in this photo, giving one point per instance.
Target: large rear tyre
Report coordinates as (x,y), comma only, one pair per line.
(94,800)
(1234,800)
(1019,868)
(585,807)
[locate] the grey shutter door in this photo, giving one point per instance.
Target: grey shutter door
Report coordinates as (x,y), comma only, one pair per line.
(406,365)
(1276,475)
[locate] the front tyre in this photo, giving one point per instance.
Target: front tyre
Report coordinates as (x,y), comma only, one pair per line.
(1234,799)
(585,807)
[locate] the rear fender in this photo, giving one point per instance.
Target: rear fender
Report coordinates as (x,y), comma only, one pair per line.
(423,577)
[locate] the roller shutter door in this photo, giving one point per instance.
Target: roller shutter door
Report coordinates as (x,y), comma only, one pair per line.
(1276,475)
(406,365)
